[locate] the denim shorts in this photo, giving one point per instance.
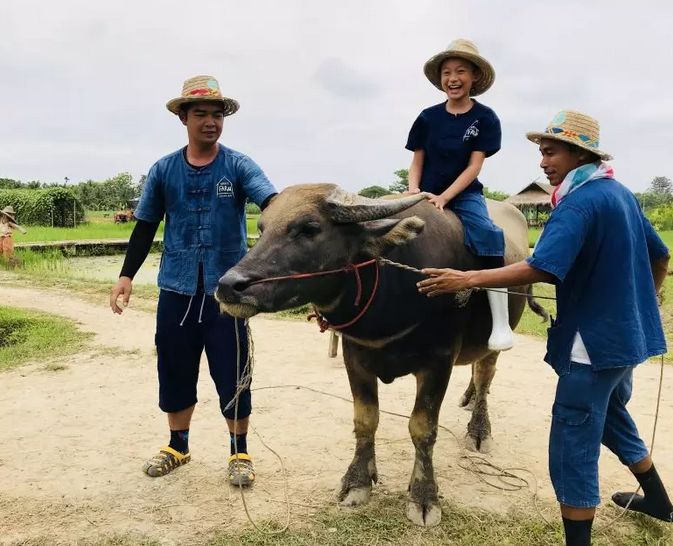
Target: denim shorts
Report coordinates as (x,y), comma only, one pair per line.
(482,236)
(185,326)
(590,409)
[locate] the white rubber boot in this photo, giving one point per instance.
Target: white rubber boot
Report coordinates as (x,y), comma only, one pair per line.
(501,338)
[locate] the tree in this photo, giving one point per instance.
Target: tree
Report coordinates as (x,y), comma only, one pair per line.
(373,192)
(402,183)
(661,185)
(495,195)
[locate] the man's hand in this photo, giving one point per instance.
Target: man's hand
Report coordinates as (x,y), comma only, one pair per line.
(439,201)
(443,281)
(122,288)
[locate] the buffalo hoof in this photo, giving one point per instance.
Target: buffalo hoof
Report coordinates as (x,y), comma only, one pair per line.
(427,515)
(480,445)
(356,496)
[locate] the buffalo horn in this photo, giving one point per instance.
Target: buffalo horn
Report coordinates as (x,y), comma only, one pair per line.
(346,208)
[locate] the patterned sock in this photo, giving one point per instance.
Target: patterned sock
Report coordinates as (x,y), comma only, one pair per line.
(241,442)
(578,532)
(180,440)
(654,503)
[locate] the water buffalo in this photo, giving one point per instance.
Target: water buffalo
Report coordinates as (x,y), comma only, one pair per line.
(389,330)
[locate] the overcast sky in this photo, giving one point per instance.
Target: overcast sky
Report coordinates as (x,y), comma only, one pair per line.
(328,90)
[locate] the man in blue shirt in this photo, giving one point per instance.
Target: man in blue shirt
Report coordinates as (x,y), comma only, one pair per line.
(200,191)
(607,263)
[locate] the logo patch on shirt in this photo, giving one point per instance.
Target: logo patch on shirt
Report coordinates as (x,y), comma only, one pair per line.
(471,131)
(225,188)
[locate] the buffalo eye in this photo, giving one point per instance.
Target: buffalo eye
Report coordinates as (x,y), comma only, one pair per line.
(304,228)
(309,229)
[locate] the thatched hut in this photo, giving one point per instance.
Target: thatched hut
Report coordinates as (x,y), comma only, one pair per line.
(534,201)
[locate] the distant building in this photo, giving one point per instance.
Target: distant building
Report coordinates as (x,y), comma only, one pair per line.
(534,201)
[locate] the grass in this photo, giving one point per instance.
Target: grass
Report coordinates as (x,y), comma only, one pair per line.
(29,336)
(383,521)
(99,225)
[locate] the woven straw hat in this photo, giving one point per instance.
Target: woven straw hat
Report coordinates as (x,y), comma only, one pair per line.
(9,212)
(462,49)
(202,88)
(574,128)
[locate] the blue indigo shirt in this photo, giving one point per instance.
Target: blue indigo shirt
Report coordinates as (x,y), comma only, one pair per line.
(448,140)
(598,245)
(204,209)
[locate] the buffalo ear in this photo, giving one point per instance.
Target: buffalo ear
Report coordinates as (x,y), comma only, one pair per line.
(382,235)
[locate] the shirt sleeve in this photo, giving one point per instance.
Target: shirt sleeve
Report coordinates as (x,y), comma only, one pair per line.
(256,185)
(656,248)
(561,241)
(151,207)
(418,135)
(490,135)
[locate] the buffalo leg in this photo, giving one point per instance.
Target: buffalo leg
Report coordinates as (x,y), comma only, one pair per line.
(479,428)
(356,484)
(467,400)
(423,505)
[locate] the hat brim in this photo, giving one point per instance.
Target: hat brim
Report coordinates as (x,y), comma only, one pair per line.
(12,217)
(433,65)
(537,137)
(230,105)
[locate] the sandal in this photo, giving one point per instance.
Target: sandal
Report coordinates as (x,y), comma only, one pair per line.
(167,460)
(241,471)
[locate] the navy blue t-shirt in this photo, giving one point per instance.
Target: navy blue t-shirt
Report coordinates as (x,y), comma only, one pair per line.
(448,140)
(598,245)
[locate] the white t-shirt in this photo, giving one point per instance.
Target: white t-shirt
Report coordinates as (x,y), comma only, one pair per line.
(579,351)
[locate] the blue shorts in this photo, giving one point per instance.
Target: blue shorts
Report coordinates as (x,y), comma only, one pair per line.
(185,326)
(590,409)
(482,236)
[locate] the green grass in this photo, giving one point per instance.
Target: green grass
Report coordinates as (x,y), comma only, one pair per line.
(99,225)
(29,336)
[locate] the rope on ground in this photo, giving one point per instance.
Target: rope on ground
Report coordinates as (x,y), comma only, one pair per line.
(243,382)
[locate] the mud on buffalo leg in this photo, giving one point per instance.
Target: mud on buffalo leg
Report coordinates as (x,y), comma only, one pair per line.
(479,427)
(423,505)
(356,484)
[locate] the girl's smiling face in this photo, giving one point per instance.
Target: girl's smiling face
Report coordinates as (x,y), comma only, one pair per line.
(457,77)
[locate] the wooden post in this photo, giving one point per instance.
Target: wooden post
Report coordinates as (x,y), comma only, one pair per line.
(333,344)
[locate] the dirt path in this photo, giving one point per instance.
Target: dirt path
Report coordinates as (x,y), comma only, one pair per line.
(74,440)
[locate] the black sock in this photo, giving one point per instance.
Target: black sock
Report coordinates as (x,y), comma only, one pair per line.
(578,532)
(241,443)
(180,440)
(654,502)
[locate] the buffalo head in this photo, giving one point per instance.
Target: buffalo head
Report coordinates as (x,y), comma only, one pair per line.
(312,228)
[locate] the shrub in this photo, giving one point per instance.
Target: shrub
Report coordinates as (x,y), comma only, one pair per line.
(661,217)
(53,206)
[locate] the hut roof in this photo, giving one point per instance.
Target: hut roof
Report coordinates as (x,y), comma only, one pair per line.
(535,193)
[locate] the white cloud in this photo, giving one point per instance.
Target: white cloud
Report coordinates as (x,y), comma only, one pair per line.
(328,91)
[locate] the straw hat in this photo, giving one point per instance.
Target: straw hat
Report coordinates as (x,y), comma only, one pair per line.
(202,88)
(9,212)
(462,49)
(574,128)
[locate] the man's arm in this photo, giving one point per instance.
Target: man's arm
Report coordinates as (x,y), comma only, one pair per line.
(444,281)
(139,247)
(659,271)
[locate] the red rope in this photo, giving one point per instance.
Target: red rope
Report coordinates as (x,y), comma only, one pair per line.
(355,268)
